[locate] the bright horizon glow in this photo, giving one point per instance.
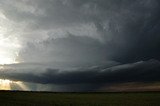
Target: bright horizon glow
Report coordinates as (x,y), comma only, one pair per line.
(5,84)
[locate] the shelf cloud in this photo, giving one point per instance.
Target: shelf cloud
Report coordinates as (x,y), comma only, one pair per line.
(142,71)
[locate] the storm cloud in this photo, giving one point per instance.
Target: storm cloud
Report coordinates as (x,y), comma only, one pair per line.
(91,77)
(81,42)
(126,31)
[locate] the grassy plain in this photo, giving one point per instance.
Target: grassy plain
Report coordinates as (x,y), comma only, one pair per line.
(16,98)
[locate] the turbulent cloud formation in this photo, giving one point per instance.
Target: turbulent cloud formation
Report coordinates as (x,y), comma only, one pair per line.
(58,41)
(120,26)
(92,77)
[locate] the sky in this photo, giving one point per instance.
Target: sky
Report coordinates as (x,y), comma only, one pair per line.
(79,45)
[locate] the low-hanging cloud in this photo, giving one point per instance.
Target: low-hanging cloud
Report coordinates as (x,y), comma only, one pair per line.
(94,77)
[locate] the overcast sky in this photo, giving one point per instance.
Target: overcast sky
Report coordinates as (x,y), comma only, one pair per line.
(79,45)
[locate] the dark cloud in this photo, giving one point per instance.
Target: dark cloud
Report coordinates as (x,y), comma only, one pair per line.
(128,30)
(94,78)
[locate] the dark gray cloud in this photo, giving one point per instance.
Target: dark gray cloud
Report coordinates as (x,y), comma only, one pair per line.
(93,78)
(128,30)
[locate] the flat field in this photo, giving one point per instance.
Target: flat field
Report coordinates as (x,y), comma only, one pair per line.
(16,98)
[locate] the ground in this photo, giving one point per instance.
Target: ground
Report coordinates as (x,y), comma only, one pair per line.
(16,98)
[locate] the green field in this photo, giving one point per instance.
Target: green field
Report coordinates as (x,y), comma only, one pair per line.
(78,99)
